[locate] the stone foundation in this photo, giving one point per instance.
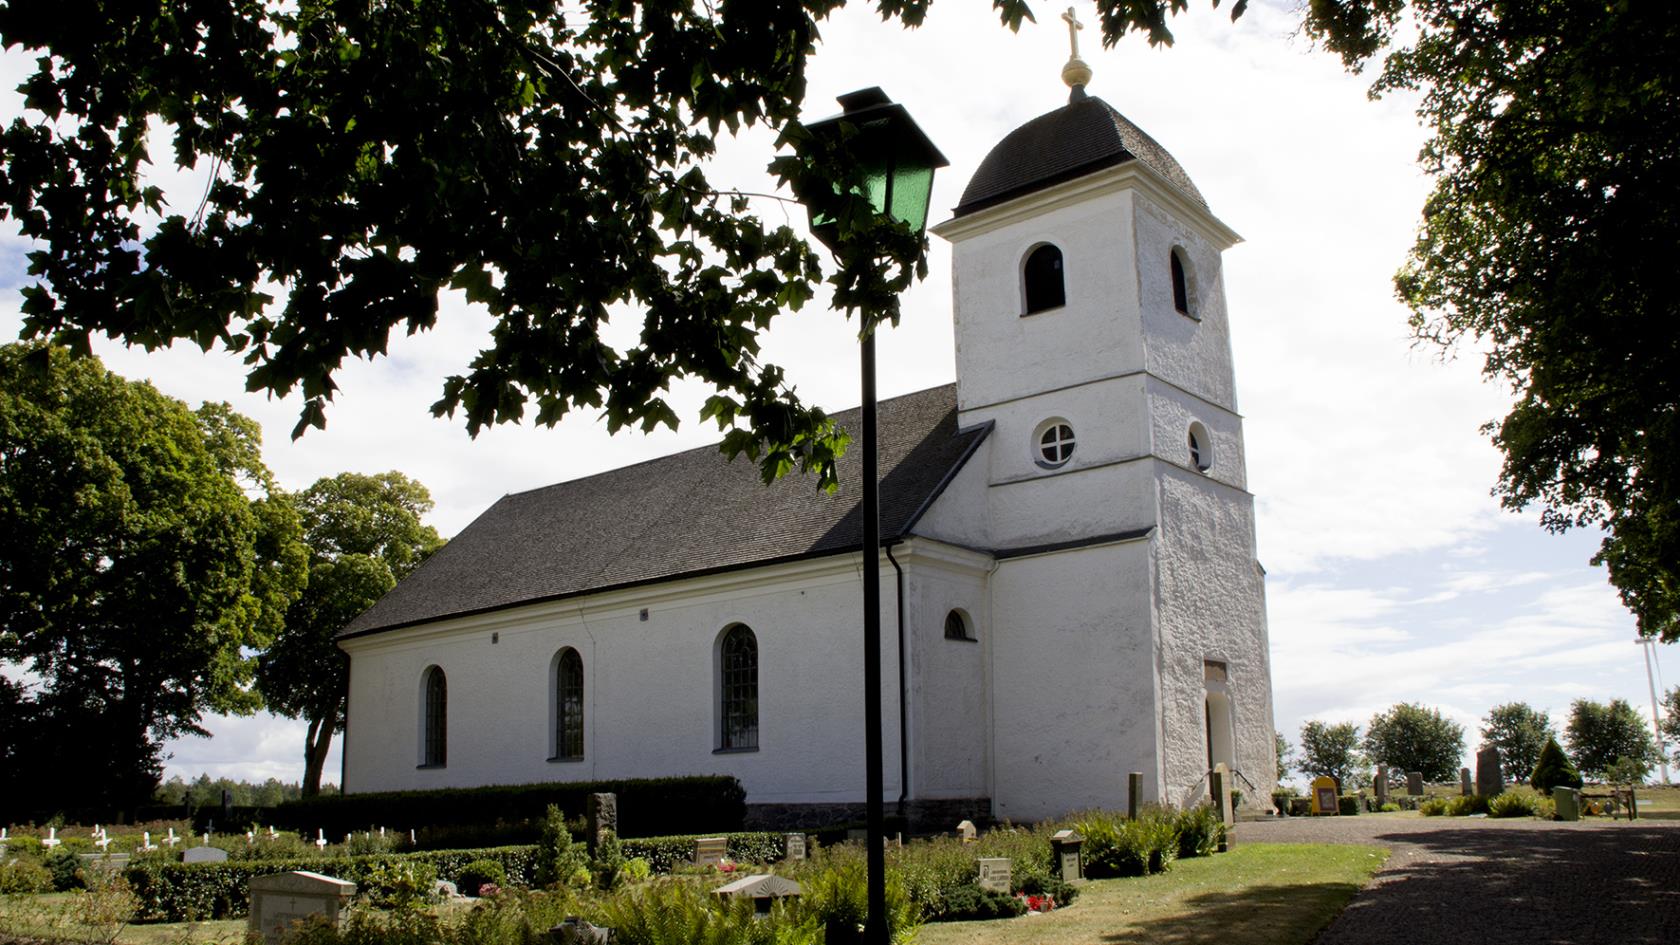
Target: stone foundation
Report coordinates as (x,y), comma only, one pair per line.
(937,815)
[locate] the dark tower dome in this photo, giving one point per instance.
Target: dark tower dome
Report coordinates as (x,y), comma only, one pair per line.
(1081,137)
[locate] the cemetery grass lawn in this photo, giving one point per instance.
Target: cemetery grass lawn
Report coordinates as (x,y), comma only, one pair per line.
(1257,894)
(60,917)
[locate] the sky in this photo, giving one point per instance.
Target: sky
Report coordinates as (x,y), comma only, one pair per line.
(1393,574)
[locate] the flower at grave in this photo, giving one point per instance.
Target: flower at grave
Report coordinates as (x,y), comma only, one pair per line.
(726,865)
(489,890)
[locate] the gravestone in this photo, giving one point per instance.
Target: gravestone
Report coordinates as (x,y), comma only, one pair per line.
(204,855)
(1064,850)
(966,832)
(995,873)
(1219,784)
(1490,777)
(795,843)
(603,816)
(1134,794)
(280,899)
(1464,782)
(227,806)
(579,931)
(764,890)
(1324,800)
(1568,803)
(709,851)
(1414,783)
(1382,785)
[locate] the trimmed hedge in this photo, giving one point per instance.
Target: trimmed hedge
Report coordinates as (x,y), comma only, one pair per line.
(647,807)
(179,892)
(664,854)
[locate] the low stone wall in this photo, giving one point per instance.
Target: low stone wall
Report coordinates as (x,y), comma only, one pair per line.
(939,815)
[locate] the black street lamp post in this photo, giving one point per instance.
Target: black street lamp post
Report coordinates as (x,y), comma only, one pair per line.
(899,165)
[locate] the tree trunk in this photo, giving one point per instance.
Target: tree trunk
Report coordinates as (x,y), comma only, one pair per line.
(316,743)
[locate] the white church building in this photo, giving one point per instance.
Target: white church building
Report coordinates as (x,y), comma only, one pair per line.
(1070,590)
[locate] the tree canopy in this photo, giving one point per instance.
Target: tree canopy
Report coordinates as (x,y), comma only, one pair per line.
(1519,731)
(1416,738)
(364,534)
(144,553)
(1601,734)
(1333,750)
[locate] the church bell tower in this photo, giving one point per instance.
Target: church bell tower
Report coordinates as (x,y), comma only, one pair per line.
(1092,337)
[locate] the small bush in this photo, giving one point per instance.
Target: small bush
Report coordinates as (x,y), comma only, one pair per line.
(1200,830)
(66,870)
(973,903)
(1433,806)
(838,898)
(1347,804)
(25,876)
(1389,807)
(558,856)
(1516,802)
(1116,846)
(609,861)
(1054,887)
(478,873)
(1553,769)
(400,886)
(1467,804)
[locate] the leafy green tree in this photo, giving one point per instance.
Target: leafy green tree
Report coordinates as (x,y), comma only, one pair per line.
(1553,769)
(1414,738)
(1599,735)
(1519,731)
(1332,750)
(364,535)
(1285,755)
(138,572)
(1670,728)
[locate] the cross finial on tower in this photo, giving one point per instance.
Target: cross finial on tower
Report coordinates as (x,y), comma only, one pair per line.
(1076,73)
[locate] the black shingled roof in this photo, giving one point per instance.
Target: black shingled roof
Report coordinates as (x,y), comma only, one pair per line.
(681,515)
(1083,136)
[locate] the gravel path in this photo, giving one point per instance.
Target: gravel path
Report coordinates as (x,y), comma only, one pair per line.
(1456,881)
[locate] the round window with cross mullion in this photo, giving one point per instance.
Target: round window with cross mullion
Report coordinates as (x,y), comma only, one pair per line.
(1053,444)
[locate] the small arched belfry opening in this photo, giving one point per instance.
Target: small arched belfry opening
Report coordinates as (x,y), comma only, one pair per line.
(1183,300)
(738,689)
(1042,285)
(434,718)
(959,626)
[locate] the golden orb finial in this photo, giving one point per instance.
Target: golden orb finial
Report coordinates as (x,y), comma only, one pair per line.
(1077,73)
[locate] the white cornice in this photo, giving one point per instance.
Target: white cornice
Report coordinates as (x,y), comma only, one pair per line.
(1132,175)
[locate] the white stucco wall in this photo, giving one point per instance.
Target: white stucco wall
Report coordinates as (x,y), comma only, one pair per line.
(950,725)
(1191,352)
(1072,665)
(650,688)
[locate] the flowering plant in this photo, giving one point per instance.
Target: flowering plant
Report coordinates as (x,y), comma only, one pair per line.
(1042,903)
(726,865)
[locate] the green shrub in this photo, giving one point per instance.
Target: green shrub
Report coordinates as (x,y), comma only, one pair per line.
(178,892)
(683,914)
(1467,804)
(558,857)
(609,860)
(66,870)
(1432,806)
(973,903)
(1515,802)
(1553,769)
(1347,804)
(1116,846)
(665,854)
(403,886)
(647,807)
(1389,807)
(837,898)
(478,873)
(25,876)
(1054,887)
(1200,831)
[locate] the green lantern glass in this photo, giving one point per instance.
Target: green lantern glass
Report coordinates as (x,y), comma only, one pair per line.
(898,159)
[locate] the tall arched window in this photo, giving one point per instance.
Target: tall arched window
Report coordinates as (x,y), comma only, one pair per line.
(1180,283)
(738,696)
(1041,277)
(434,749)
(568,705)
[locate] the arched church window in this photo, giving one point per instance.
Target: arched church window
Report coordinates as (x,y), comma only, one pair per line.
(956,626)
(434,744)
(1054,443)
(1041,278)
(1201,448)
(1180,283)
(738,696)
(568,705)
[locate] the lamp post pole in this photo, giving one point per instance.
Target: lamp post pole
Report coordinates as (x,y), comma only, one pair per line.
(901,161)
(875,926)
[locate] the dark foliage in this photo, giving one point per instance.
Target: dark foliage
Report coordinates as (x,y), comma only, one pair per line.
(1554,769)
